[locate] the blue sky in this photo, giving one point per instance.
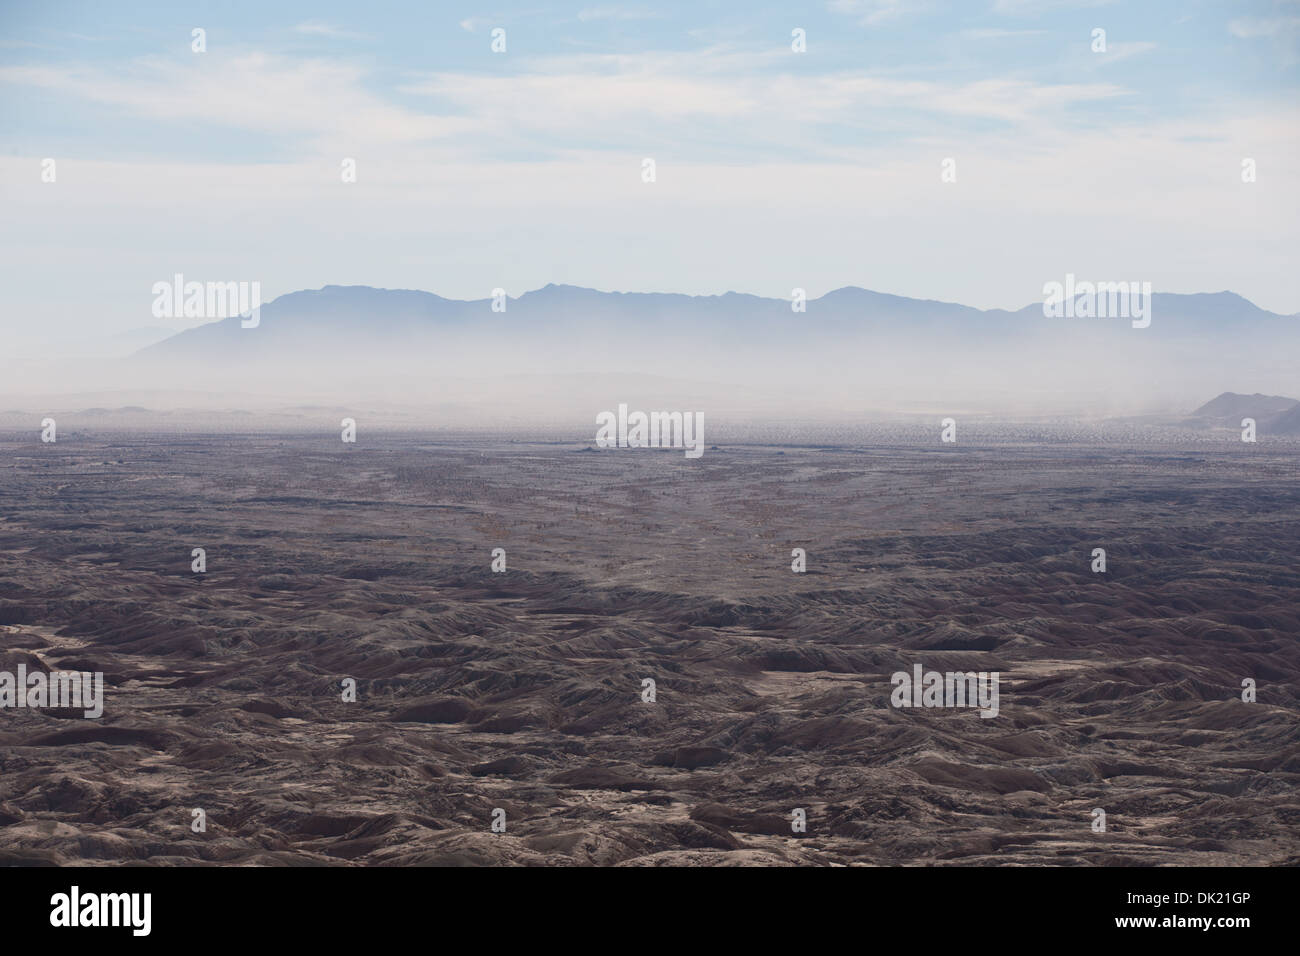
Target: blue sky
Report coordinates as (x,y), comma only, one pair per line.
(775,169)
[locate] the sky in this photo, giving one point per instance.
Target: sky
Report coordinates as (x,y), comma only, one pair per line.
(774,169)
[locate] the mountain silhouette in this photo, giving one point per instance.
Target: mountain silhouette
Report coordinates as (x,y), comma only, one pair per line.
(352,317)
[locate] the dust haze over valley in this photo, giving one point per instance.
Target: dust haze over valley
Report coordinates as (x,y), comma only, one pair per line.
(558,354)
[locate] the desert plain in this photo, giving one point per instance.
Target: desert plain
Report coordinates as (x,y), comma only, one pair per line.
(523,691)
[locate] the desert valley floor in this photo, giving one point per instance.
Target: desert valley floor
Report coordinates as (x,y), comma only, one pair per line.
(522,690)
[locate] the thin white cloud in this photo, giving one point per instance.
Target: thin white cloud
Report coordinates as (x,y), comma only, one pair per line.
(324,103)
(1249,28)
(616,13)
(873,12)
(1033,7)
(997,34)
(318,28)
(719,101)
(1125,49)
(616,95)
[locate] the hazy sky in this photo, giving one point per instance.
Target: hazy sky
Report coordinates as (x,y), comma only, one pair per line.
(775,169)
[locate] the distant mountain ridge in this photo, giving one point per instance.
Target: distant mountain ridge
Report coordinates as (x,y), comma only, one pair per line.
(387,314)
(845,346)
(1274,414)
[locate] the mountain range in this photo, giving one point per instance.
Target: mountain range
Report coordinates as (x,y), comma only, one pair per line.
(351,317)
(847,349)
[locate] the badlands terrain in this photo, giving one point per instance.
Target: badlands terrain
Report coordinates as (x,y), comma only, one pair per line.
(522,690)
